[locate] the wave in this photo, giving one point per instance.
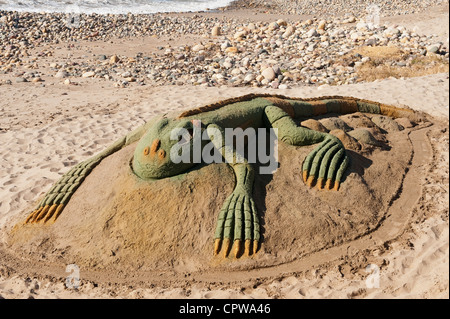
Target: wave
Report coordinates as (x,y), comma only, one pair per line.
(111,6)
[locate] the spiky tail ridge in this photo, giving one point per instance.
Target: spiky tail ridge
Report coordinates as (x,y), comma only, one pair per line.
(298,108)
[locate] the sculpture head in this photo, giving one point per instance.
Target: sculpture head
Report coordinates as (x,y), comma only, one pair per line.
(153,156)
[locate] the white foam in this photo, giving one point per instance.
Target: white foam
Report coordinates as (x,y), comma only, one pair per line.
(111,6)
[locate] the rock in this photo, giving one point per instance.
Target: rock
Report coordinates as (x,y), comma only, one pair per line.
(249,78)
(312,33)
(260,78)
(363,135)
(349,20)
(268,74)
(386,123)
(225,45)
(36,80)
(240,34)
(61,74)
(275,84)
(273,26)
(89,74)
(348,141)
(245,62)
(198,47)
(334,123)
(405,122)
(216,31)
(314,125)
(114,59)
(281,22)
(231,50)
(21,80)
(322,25)
(434,48)
(67,82)
(289,31)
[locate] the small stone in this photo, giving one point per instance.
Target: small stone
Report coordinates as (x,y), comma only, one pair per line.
(36,80)
(334,123)
(89,74)
(225,45)
(268,74)
(312,33)
(249,78)
(216,31)
(245,62)
(315,125)
(405,122)
(364,136)
(231,50)
(434,48)
(322,25)
(386,123)
(347,140)
(275,84)
(114,59)
(198,47)
(273,26)
(61,74)
(240,34)
(281,22)
(21,80)
(289,31)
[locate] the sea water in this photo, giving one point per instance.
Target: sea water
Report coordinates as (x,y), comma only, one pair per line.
(111,6)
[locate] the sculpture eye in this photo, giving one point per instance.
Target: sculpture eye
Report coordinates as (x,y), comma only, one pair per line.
(146,150)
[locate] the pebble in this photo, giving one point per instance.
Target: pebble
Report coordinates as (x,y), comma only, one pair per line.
(89,74)
(273,54)
(268,74)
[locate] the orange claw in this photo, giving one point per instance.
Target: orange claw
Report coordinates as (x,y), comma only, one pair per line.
(226,247)
(217,243)
(305,175)
(336,186)
(237,247)
(310,181)
(255,246)
(320,183)
(247,247)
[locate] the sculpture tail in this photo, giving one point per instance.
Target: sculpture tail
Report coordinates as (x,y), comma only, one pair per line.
(301,108)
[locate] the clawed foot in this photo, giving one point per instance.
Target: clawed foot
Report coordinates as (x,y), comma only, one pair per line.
(57,197)
(326,164)
(237,226)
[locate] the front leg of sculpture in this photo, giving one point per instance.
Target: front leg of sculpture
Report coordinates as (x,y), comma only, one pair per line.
(238,221)
(326,163)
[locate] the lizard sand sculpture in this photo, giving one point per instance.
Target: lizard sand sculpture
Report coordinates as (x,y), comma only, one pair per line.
(238,221)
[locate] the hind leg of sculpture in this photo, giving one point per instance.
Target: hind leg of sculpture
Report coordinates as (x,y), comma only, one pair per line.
(329,158)
(238,222)
(59,195)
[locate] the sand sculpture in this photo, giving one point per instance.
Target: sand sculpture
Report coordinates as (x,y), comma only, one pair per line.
(238,222)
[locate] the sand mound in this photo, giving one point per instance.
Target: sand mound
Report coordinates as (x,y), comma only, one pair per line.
(117,222)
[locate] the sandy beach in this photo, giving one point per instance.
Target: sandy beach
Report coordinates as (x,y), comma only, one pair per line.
(63,100)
